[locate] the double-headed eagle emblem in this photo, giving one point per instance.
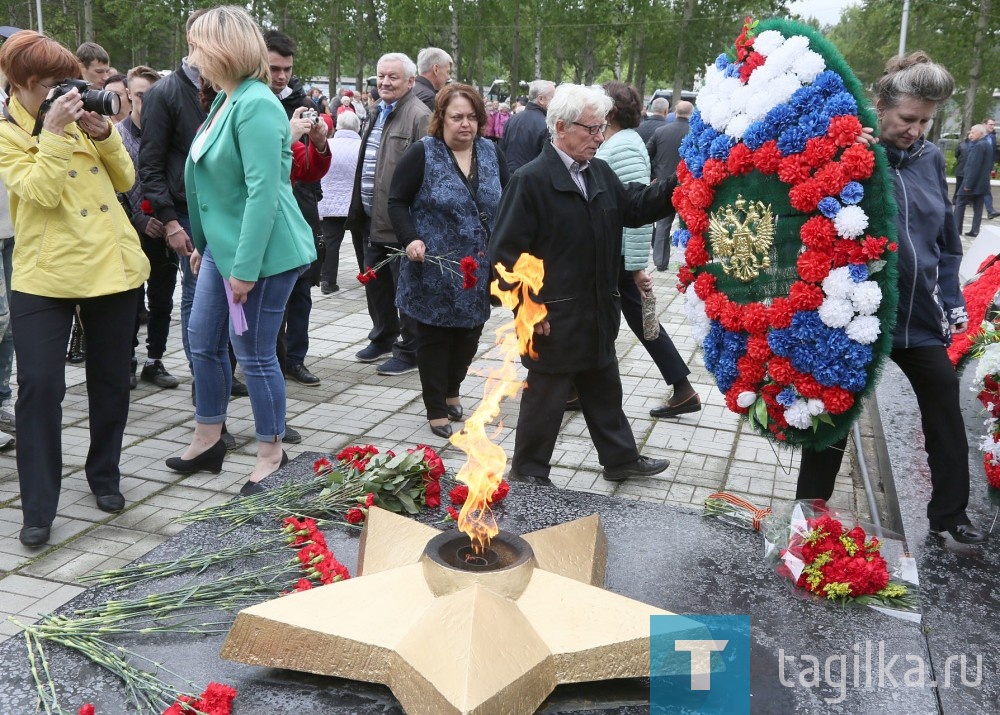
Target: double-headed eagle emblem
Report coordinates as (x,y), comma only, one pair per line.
(741,236)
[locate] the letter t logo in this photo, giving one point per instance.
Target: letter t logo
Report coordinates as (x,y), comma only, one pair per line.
(701,660)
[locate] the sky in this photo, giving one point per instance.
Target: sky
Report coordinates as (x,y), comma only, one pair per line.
(826,11)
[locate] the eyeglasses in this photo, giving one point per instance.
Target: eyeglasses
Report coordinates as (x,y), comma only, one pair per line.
(593,129)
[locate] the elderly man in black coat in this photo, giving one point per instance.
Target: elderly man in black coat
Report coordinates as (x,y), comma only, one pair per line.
(568,209)
(976,182)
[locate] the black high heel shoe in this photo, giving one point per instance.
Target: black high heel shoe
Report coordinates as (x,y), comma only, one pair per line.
(251,488)
(208,461)
(443,431)
(455,413)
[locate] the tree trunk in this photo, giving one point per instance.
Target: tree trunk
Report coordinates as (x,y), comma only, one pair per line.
(559,59)
(88,20)
(456,59)
(679,70)
(538,46)
(515,54)
(968,111)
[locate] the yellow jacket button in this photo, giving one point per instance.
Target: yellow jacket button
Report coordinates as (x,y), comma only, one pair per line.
(93,170)
(83,212)
(104,207)
(72,173)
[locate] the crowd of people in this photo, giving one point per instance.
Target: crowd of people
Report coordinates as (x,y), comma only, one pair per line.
(234,177)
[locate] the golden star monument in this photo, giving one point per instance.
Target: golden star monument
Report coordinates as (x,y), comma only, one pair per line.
(446,639)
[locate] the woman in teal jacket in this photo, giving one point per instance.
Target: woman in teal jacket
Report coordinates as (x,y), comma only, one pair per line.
(250,238)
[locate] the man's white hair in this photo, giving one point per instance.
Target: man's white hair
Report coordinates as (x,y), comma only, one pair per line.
(430,56)
(409,69)
(539,88)
(660,105)
(572,100)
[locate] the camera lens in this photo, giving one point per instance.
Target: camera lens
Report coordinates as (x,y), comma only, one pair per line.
(102,102)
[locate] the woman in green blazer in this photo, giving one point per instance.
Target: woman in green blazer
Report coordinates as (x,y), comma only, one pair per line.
(250,238)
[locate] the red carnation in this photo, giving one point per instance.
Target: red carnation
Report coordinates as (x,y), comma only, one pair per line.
(459,494)
(740,160)
(858,161)
(699,194)
(750,369)
(752,62)
(758,348)
(368,275)
(781,371)
(731,317)
(844,130)
(872,247)
(832,178)
(369,499)
(806,196)
(732,395)
(837,400)
(696,222)
(86,709)
(992,471)
(818,233)
(794,170)
(146,208)
(452,513)
(714,172)
(755,318)
(683,173)
(805,296)
(354,516)
(704,285)
(469,267)
(322,464)
(808,387)
(744,41)
(819,150)
(714,305)
(502,490)
(303,584)
(695,253)
(781,312)
(768,157)
(684,278)
(813,266)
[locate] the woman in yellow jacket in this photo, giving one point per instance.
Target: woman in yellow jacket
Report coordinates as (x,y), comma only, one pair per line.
(75,246)
(250,238)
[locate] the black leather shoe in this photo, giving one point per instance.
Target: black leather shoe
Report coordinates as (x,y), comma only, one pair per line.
(34,535)
(691,404)
(292,435)
(529,479)
(573,405)
(251,488)
(158,375)
(300,373)
(239,389)
(443,431)
(642,467)
(455,412)
(965,534)
(111,503)
(208,461)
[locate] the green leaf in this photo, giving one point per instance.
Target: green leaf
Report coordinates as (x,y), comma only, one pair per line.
(875,266)
(336,477)
(396,461)
(408,504)
(826,419)
(760,412)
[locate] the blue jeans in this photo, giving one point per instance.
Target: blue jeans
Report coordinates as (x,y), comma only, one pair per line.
(188,282)
(210,332)
(7,341)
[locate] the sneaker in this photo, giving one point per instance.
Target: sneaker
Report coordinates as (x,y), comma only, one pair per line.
(395,366)
(300,373)
(7,421)
(6,441)
(371,353)
(155,373)
(292,435)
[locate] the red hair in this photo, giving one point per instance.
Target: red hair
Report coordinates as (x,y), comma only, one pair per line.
(29,57)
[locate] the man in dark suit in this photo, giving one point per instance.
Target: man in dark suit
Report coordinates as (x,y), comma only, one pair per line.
(525,133)
(568,209)
(976,182)
(656,118)
(664,155)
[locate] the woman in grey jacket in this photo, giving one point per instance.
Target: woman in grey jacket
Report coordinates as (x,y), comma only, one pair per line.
(931,307)
(625,152)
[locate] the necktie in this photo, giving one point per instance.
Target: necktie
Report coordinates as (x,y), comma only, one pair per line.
(384,114)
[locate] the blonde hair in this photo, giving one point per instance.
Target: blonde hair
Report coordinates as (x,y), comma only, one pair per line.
(227,44)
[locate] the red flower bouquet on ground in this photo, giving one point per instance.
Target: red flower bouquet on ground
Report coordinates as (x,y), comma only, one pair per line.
(832,555)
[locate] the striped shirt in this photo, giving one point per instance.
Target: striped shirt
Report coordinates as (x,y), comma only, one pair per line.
(371,158)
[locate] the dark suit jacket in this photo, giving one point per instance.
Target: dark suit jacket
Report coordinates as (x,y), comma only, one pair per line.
(579,240)
(664,148)
(976,181)
(648,126)
(524,135)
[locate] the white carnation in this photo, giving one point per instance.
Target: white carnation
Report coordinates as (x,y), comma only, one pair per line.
(738,126)
(788,55)
(694,309)
(863,329)
(767,42)
(838,283)
(989,362)
(745,399)
(851,221)
(836,312)
(809,67)
(738,100)
(798,415)
(816,407)
(867,297)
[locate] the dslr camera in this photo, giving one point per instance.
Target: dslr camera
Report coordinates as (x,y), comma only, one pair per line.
(312,115)
(94,100)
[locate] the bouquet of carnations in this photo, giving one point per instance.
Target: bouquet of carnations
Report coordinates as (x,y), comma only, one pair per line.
(832,555)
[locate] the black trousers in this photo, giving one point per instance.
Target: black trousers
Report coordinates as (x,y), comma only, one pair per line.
(333,236)
(543,403)
(936,385)
(390,328)
(163,269)
(41,329)
(443,358)
(976,201)
(669,362)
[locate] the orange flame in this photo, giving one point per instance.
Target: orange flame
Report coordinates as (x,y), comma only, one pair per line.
(484,468)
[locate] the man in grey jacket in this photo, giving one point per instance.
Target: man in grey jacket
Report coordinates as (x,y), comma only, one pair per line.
(398,119)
